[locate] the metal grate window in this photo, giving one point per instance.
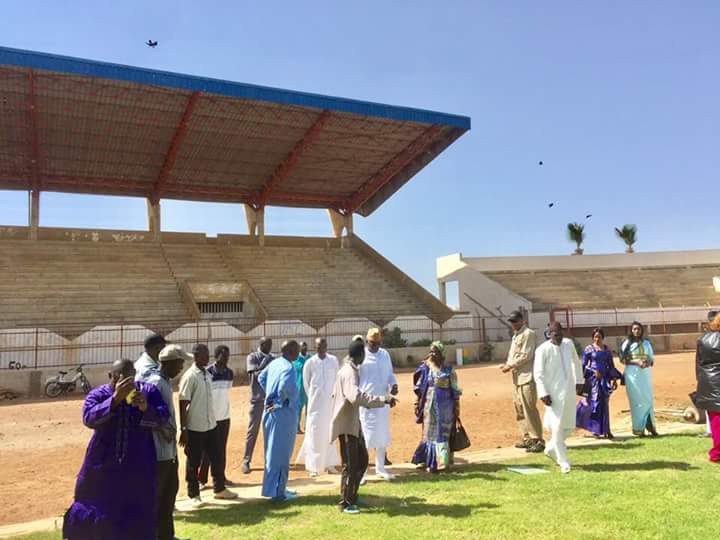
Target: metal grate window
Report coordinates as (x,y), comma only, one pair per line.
(224,308)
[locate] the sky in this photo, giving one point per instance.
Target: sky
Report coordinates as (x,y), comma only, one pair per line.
(618,99)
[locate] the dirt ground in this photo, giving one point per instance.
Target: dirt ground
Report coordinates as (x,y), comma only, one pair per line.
(42,443)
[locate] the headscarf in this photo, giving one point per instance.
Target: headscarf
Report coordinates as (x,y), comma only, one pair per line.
(439,346)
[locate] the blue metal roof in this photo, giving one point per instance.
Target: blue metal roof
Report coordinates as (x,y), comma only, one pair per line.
(92,68)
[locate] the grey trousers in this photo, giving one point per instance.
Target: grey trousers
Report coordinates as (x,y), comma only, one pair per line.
(254,423)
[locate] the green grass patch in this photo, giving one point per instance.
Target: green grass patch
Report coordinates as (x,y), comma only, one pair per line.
(637,488)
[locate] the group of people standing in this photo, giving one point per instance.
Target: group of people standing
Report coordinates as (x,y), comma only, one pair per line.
(349,403)
(554,373)
(128,481)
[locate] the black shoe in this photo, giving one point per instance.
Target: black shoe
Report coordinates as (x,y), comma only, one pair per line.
(387,461)
(536,447)
(522,444)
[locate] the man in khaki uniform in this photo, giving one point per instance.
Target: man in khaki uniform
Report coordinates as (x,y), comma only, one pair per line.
(520,362)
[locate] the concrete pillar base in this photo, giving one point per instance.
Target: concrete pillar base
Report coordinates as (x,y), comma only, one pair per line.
(339,222)
(154,222)
(34,213)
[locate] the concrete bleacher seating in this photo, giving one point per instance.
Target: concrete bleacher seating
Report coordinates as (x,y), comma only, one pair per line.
(67,283)
(320,282)
(60,282)
(644,287)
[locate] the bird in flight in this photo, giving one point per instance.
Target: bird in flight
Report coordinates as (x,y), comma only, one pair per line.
(540,163)
(150,43)
(551,205)
(588,216)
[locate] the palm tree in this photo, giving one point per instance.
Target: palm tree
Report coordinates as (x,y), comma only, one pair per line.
(576,233)
(627,234)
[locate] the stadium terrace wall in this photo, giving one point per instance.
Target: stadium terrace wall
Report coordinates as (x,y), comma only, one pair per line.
(482,295)
(592,262)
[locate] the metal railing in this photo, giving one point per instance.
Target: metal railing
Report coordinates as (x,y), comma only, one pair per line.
(37,348)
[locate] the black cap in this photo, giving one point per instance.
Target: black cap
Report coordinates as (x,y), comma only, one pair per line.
(515,316)
(200,347)
(153,340)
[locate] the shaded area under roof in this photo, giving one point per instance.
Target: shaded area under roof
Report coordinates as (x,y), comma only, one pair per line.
(83,126)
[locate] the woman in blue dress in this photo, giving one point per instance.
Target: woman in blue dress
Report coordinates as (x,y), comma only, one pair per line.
(601,380)
(638,357)
(436,408)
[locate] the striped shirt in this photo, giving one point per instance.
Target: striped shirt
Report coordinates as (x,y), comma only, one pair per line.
(221,385)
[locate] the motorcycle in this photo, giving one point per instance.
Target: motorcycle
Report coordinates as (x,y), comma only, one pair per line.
(58,385)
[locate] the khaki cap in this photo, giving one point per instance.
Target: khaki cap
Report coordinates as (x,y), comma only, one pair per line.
(374,335)
(174,352)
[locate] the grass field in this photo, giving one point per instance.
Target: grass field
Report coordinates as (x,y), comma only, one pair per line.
(649,488)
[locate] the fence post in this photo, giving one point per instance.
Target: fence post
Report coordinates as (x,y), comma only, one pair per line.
(37,332)
(483,330)
(121,342)
(662,310)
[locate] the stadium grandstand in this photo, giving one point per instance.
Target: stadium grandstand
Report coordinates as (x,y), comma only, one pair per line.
(80,126)
(670,291)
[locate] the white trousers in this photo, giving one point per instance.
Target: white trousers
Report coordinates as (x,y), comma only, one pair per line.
(556,445)
(379,460)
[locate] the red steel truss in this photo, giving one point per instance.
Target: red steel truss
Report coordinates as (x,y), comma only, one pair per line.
(77,134)
(172,152)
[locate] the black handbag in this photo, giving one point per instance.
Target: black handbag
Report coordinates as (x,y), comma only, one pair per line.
(458,438)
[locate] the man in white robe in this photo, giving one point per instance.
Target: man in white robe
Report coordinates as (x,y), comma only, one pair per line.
(558,376)
(377,378)
(319,375)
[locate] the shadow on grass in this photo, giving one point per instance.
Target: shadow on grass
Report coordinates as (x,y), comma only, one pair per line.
(641,466)
(231,515)
(478,471)
(691,435)
(396,506)
(415,506)
(617,444)
(255,512)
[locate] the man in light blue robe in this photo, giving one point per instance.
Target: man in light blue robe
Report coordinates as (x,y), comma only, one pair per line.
(282,399)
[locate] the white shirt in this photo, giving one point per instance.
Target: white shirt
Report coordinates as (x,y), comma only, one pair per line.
(196,387)
(317,452)
(376,378)
(376,373)
(556,371)
(145,366)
